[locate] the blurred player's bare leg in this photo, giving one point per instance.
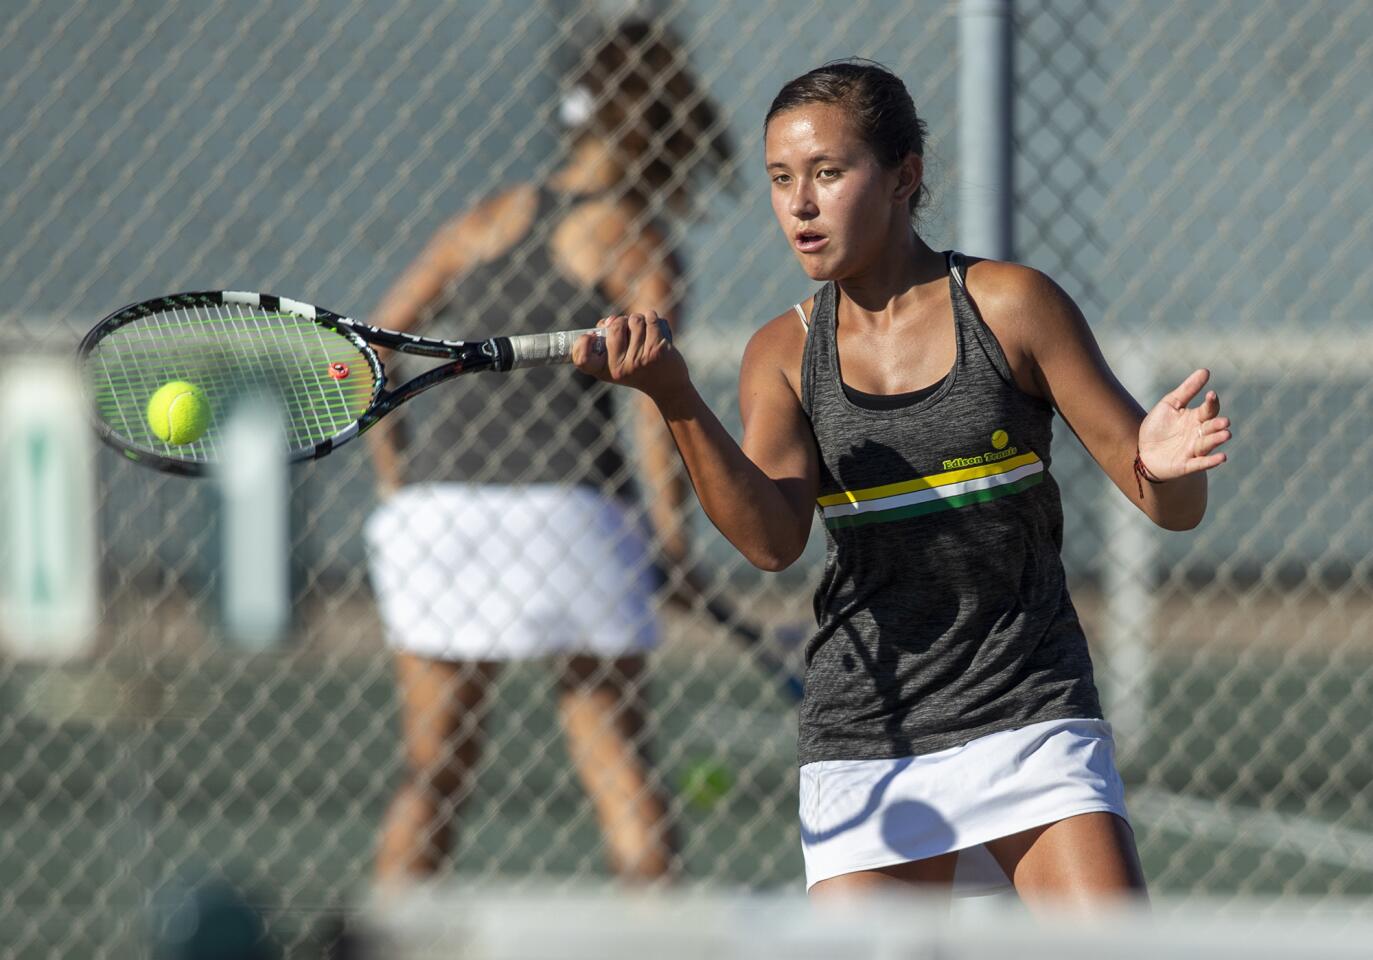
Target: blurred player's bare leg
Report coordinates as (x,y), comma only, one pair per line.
(442,707)
(931,877)
(1080,861)
(603,714)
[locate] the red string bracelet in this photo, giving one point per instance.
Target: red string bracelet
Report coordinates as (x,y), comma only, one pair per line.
(1142,473)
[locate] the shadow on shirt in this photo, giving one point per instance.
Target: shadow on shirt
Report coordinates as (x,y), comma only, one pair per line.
(883,612)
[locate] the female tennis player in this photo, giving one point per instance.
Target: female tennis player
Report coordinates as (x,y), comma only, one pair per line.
(950,707)
(515,499)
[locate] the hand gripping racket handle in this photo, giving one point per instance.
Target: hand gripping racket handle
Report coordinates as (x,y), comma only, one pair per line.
(546,349)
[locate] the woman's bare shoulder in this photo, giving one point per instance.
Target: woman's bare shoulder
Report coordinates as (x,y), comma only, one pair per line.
(605,240)
(780,344)
(1002,284)
(1020,304)
(608,222)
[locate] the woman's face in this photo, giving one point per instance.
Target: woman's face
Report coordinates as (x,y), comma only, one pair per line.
(832,198)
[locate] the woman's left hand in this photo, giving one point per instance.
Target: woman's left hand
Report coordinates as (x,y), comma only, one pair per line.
(1176,440)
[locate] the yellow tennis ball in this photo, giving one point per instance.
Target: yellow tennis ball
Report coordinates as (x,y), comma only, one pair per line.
(705,782)
(178,412)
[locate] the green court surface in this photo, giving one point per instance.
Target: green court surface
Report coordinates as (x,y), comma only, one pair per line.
(276,772)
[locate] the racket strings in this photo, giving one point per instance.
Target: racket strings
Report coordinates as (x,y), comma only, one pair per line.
(322,380)
(304,415)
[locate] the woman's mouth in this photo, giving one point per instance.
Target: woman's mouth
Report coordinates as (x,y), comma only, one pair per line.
(808,241)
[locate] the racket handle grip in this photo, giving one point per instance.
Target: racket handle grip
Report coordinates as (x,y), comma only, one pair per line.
(538,349)
(547,349)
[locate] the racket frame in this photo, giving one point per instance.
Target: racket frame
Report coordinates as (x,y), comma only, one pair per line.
(496,354)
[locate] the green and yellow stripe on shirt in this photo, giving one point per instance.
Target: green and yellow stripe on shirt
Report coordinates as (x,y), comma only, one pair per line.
(938,491)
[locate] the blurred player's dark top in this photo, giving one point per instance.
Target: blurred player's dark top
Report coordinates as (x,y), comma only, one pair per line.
(542,425)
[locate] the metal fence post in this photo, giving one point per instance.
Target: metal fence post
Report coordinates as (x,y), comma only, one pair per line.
(985,128)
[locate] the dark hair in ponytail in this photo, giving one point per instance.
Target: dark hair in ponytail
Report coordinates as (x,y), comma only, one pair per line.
(876,102)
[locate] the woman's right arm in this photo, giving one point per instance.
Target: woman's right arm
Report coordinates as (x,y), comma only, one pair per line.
(760,495)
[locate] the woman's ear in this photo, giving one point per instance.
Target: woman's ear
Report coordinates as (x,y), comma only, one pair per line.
(910,174)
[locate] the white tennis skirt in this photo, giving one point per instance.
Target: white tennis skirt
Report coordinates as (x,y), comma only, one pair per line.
(865,814)
(489,572)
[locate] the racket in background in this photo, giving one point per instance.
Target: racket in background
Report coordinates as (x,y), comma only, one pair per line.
(229,345)
(768,647)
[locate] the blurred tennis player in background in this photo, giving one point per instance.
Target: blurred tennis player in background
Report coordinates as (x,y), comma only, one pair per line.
(515,498)
(950,710)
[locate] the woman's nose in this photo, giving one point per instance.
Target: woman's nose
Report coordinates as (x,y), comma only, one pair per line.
(802,201)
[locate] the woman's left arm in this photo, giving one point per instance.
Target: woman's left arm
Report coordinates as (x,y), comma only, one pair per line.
(1159,459)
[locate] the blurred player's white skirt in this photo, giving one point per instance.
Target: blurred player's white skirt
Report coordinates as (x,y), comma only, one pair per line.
(865,814)
(488,572)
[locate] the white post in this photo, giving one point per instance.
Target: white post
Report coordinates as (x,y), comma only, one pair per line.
(985,128)
(1129,565)
(256,526)
(48,607)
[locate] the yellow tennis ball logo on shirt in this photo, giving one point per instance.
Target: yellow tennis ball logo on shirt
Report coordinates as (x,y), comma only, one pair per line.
(178,413)
(1000,439)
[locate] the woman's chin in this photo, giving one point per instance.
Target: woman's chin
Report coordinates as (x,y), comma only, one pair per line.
(818,268)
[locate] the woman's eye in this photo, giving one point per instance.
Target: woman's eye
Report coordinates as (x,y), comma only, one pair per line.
(828,174)
(780,179)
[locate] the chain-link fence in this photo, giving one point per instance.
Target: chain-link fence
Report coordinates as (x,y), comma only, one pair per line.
(1195,174)
(1190,173)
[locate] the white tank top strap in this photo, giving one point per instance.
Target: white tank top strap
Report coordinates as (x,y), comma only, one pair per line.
(956,268)
(801,312)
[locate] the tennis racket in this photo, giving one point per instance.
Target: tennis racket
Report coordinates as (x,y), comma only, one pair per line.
(687,592)
(230,344)
(750,636)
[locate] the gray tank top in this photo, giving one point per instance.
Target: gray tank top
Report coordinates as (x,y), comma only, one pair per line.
(542,425)
(943,613)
